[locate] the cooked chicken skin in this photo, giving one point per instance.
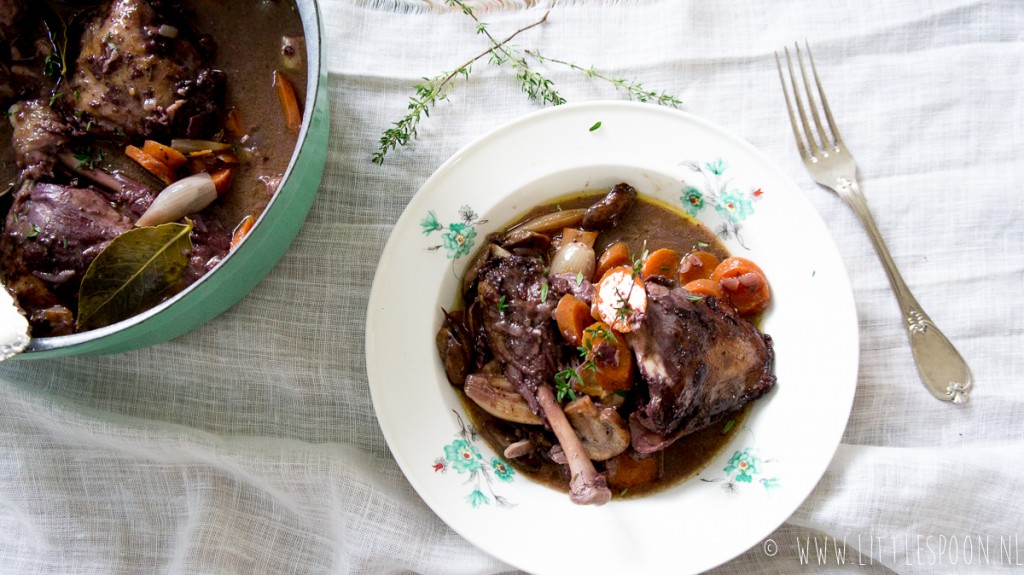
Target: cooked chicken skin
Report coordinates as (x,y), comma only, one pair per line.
(136,76)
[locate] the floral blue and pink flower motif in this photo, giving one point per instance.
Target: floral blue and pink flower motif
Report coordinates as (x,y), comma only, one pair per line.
(457,238)
(745,467)
(463,456)
(731,202)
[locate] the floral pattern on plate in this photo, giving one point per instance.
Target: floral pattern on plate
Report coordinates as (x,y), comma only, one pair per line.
(732,203)
(745,466)
(458,237)
(464,457)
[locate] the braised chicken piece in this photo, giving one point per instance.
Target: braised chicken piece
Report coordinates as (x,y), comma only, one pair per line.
(700,361)
(139,74)
(51,235)
(39,133)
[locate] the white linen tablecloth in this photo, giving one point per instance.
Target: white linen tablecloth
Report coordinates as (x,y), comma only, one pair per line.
(250,445)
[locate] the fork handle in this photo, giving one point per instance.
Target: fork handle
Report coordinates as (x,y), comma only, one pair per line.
(942,368)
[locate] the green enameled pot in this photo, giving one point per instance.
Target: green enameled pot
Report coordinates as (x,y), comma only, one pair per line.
(246,265)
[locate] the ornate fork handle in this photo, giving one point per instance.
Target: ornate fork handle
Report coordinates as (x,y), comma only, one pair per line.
(942,368)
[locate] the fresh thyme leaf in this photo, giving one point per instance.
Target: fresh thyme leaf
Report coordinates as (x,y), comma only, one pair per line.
(579,279)
(51,66)
(89,158)
(502,304)
(600,331)
(564,384)
(35,231)
(700,245)
(623,311)
(544,292)
(695,297)
(55,63)
(54,97)
(595,127)
(728,426)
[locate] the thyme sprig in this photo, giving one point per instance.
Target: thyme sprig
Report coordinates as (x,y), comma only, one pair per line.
(635,88)
(533,83)
(566,384)
(433,90)
(569,380)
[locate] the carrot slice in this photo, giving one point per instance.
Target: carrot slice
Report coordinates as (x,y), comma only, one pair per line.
(222,179)
(612,366)
(166,154)
(697,265)
(744,283)
(152,165)
(705,287)
(289,101)
(233,122)
(572,316)
(662,263)
(242,230)
(620,299)
(614,255)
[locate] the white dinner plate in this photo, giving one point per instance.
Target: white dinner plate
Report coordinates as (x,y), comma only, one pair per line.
(772,463)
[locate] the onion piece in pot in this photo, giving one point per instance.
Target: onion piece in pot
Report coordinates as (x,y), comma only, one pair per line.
(188,146)
(184,197)
(551,222)
(575,258)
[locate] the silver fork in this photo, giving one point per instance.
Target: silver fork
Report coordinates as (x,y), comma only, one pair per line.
(943,371)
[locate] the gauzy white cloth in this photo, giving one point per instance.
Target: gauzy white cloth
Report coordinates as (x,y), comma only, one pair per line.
(250,445)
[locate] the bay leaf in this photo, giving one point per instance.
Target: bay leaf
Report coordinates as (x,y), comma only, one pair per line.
(137,270)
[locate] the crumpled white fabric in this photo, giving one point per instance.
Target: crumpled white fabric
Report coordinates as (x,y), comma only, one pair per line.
(250,445)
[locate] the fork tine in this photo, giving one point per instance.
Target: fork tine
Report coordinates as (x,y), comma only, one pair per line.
(824,101)
(789,108)
(826,141)
(812,143)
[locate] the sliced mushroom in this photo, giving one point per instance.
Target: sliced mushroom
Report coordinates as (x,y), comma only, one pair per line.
(525,239)
(455,345)
(602,431)
(607,212)
(495,395)
(519,449)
